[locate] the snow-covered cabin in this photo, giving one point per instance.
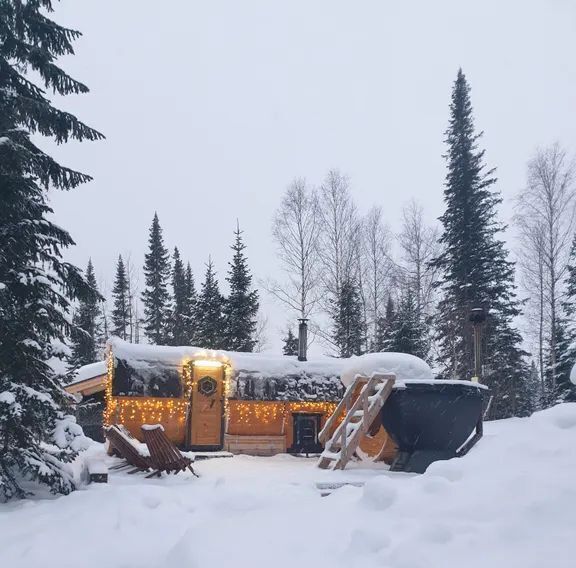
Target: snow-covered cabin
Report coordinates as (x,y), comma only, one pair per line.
(241,402)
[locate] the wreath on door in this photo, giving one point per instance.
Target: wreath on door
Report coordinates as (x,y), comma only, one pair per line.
(207,386)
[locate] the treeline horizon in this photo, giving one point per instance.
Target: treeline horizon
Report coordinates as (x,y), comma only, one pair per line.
(365,289)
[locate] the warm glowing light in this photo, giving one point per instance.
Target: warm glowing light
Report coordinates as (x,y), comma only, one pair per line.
(208,364)
(237,413)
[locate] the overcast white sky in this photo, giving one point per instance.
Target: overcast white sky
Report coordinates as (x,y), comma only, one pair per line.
(211,108)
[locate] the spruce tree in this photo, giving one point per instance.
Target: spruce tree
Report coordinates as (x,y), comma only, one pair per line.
(475,270)
(290,344)
(210,319)
(566,336)
(121,302)
(383,328)
(179,324)
(407,333)
(191,318)
(87,324)
(241,306)
(156,298)
(36,286)
(349,330)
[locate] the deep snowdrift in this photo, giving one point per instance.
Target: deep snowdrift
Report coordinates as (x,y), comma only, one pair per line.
(510,502)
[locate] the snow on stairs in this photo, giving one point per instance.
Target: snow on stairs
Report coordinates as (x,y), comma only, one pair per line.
(360,414)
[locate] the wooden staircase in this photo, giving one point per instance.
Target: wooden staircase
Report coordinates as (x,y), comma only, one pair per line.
(359,415)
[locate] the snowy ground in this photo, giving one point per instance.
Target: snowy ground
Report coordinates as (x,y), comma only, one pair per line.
(510,502)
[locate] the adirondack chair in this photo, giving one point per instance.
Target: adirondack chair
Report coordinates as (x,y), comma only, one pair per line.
(123,444)
(164,455)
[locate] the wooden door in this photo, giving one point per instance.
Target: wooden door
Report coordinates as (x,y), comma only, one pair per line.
(207,408)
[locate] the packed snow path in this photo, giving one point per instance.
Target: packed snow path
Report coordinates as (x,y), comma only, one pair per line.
(510,502)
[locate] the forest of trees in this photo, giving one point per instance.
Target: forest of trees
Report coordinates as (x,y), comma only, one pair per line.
(367,289)
(174,312)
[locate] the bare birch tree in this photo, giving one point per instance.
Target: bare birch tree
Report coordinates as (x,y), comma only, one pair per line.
(545,216)
(340,238)
(260,333)
(377,269)
(132,276)
(295,230)
(532,273)
(419,245)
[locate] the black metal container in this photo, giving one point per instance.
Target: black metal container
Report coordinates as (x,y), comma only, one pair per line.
(432,421)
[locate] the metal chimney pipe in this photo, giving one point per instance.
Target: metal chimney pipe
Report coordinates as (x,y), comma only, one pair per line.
(302,339)
(477,318)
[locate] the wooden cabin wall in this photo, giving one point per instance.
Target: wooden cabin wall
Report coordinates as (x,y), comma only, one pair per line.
(133,412)
(245,418)
(271,418)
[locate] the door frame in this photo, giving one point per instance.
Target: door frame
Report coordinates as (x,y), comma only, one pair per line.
(189,412)
(317,416)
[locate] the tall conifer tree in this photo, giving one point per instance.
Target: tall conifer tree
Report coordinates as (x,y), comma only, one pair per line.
(474,265)
(156,298)
(211,334)
(383,328)
(566,342)
(88,326)
(121,302)
(179,324)
(290,344)
(407,333)
(191,307)
(36,286)
(349,329)
(241,306)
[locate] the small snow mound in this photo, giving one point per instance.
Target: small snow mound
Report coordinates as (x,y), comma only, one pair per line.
(404,366)
(573,375)
(379,493)
(181,554)
(450,470)
(149,427)
(562,415)
(363,541)
(437,534)
(436,485)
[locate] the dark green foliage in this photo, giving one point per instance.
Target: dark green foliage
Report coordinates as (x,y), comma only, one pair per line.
(87,321)
(191,307)
(181,308)
(475,270)
(290,343)
(36,286)
(384,324)
(121,300)
(210,315)
(155,297)
(349,329)
(407,333)
(241,306)
(566,338)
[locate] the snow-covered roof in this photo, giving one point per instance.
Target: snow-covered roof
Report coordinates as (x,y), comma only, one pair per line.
(89,372)
(406,367)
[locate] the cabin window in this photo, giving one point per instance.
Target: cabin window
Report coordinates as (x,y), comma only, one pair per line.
(146,379)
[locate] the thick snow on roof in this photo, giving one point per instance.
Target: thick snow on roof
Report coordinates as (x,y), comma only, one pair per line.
(89,371)
(405,367)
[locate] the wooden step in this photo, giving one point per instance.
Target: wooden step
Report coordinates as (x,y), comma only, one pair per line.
(359,416)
